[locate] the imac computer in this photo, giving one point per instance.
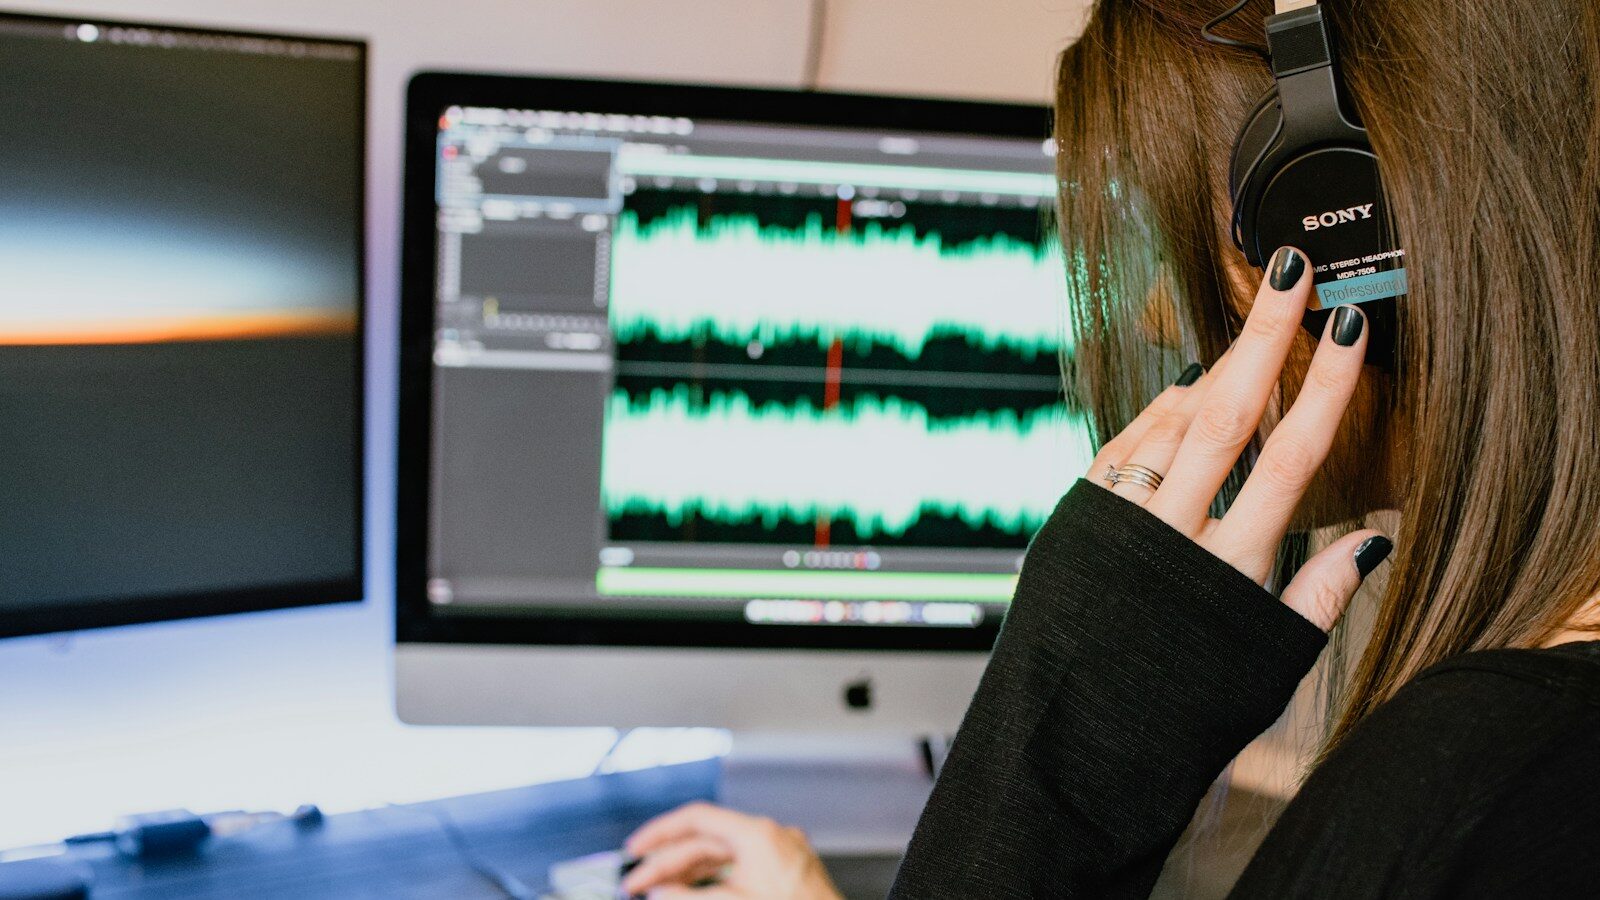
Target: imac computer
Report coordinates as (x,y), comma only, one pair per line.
(720,407)
(180,322)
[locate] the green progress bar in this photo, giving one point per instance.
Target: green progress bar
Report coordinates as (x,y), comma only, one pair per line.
(647,582)
(808,172)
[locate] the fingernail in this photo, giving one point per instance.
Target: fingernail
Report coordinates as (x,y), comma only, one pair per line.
(1347,324)
(1288,264)
(1190,375)
(1372,551)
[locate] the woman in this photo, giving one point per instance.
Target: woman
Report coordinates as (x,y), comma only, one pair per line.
(1142,651)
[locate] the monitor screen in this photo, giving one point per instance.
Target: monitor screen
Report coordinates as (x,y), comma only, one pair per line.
(705,361)
(180,353)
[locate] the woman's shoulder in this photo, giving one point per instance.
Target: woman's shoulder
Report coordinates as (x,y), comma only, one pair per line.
(1467,707)
(1565,673)
(1476,779)
(1464,721)
(1465,730)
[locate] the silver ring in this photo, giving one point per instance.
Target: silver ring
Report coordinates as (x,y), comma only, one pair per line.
(1133,474)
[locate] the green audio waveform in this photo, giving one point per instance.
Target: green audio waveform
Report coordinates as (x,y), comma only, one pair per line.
(881,464)
(735,281)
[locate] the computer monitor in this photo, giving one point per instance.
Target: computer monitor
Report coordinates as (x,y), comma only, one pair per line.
(180,322)
(718,406)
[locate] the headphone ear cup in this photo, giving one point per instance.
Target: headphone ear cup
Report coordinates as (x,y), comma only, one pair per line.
(1250,146)
(1260,125)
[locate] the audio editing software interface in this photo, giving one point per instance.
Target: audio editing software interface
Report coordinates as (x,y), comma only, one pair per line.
(688,368)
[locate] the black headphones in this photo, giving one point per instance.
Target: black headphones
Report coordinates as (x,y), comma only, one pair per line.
(1303,174)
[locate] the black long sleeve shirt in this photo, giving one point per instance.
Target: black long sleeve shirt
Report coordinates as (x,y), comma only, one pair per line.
(1133,665)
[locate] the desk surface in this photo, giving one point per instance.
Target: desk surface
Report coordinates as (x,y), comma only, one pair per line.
(405,851)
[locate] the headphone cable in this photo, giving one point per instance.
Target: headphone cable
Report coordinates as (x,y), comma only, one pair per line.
(816,46)
(1212,37)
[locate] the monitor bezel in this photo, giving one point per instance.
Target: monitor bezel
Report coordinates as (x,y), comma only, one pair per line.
(93,613)
(428,95)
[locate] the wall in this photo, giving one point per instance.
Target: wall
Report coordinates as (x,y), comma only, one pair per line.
(277,709)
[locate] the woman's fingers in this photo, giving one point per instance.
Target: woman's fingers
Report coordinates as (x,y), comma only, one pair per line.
(1117,449)
(1234,403)
(681,862)
(689,820)
(1159,442)
(1325,584)
(1248,535)
(686,892)
(1171,408)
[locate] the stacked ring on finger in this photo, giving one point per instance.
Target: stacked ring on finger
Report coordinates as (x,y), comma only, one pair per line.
(1133,474)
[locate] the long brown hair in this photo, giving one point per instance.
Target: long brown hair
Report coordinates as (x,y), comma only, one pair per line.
(1486,122)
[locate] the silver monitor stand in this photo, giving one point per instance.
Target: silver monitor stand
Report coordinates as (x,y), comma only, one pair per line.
(824,740)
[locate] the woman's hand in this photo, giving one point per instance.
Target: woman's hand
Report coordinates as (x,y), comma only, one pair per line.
(746,858)
(1192,435)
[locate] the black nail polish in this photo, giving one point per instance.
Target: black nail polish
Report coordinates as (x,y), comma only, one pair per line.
(1347,324)
(1288,264)
(1372,551)
(1190,375)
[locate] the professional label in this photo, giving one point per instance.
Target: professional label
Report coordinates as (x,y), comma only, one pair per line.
(1360,281)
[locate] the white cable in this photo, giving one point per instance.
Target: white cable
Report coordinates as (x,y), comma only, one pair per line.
(816,36)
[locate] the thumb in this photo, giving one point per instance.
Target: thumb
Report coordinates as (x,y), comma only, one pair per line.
(1325,584)
(685,892)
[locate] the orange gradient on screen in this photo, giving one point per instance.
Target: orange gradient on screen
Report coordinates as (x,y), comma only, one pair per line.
(148,329)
